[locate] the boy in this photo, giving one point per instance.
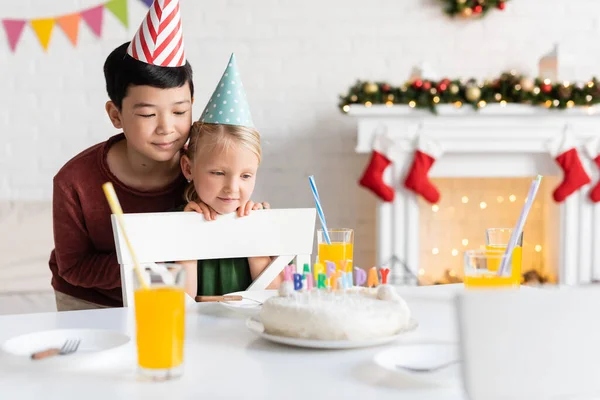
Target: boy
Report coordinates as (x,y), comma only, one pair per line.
(150,87)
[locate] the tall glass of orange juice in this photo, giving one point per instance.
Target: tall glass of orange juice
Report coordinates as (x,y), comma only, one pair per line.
(340,249)
(160,321)
(481,270)
(497,239)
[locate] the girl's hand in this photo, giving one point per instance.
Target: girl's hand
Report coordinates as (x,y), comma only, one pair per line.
(245,209)
(202,208)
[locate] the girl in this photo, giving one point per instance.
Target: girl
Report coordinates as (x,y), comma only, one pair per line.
(221,164)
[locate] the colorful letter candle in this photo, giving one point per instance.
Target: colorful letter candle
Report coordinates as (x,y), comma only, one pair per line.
(342,265)
(288,272)
(318,268)
(321,281)
(309,282)
(347,279)
(373,279)
(306,270)
(384,275)
(297,281)
(330,268)
(361,276)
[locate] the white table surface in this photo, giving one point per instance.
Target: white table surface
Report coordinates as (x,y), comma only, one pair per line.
(223,359)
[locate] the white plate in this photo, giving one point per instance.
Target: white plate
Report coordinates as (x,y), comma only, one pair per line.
(249,307)
(422,356)
(257,327)
(93,342)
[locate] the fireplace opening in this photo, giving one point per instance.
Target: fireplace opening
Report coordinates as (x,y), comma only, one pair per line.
(469,206)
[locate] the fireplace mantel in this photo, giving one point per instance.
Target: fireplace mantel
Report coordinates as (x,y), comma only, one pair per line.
(495,141)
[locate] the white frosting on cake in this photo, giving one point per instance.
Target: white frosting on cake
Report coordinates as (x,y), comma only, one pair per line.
(355,314)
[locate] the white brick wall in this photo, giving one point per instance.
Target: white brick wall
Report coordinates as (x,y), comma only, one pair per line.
(296,57)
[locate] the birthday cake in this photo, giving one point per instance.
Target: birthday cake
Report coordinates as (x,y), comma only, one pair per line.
(356,313)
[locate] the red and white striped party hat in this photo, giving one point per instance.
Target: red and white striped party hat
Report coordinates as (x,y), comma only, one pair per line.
(159,40)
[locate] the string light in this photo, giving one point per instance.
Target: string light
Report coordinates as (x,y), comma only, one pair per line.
(500,199)
(389,103)
(421,272)
(538,248)
(452,273)
(412,104)
(465,242)
(483,205)
(570,104)
(465,199)
(458,104)
(512,198)
(454,252)
(503,103)
(368,104)
(481,104)
(435,250)
(436,99)
(346,108)
(435,208)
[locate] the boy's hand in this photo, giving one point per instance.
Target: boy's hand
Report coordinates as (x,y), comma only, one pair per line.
(202,208)
(245,209)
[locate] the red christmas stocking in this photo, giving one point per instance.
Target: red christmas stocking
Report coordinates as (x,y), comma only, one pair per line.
(417,180)
(372,177)
(575,177)
(593,150)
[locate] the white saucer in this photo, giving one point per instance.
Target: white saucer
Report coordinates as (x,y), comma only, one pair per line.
(249,307)
(93,342)
(256,326)
(422,356)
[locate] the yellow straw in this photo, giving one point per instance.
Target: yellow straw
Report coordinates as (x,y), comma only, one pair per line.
(113,201)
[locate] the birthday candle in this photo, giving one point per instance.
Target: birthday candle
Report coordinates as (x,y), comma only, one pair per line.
(361,276)
(287,273)
(348,265)
(342,265)
(318,268)
(330,268)
(373,279)
(306,269)
(321,281)
(309,282)
(384,275)
(297,281)
(347,278)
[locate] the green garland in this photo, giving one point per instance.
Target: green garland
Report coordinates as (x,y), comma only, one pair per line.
(472,8)
(508,88)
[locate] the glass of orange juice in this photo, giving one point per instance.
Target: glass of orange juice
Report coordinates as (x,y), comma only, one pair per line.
(481,270)
(497,239)
(160,321)
(340,249)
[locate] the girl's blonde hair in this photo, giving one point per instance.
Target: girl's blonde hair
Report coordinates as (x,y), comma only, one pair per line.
(205,137)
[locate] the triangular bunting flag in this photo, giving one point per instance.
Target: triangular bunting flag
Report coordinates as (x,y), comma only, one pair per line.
(43,29)
(93,17)
(148,3)
(119,9)
(70,26)
(14,29)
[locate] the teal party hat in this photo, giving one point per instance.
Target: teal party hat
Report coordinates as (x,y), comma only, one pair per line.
(228,104)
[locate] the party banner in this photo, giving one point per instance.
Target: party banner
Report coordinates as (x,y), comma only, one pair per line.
(69,23)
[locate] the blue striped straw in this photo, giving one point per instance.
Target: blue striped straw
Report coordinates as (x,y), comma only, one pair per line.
(313,187)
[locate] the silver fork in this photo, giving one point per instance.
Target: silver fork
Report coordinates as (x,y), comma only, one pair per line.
(70,346)
(427,369)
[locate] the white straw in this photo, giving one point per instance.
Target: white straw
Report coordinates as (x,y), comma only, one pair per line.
(518,230)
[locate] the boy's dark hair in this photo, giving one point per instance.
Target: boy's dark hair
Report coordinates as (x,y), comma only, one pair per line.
(122,71)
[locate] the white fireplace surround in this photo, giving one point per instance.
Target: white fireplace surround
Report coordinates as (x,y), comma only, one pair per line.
(496,141)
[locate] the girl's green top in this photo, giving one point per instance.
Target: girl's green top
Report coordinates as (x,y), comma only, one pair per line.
(221,276)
